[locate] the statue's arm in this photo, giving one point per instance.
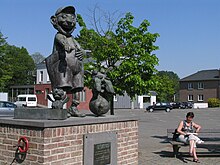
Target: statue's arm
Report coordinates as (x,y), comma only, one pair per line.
(61,39)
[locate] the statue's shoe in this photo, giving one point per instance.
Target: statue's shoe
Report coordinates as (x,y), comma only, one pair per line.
(74,112)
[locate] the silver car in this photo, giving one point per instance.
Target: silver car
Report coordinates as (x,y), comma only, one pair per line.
(7,108)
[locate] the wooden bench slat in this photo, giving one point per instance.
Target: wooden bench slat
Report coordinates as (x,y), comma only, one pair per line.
(201,131)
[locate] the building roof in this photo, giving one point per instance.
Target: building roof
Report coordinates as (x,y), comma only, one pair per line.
(203,75)
(153,93)
(21,86)
(41,65)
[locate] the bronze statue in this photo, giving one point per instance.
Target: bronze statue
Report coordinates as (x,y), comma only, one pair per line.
(59,100)
(102,93)
(64,65)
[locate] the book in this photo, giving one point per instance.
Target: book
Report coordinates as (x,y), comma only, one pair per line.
(190,133)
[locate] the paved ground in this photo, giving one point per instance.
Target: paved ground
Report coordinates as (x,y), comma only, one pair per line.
(152,133)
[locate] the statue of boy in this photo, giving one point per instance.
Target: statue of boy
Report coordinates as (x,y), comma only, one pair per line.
(102,83)
(64,65)
(102,93)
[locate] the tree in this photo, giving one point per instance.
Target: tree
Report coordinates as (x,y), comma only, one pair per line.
(5,70)
(17,66)
(103,21)
(168,85)
(21,64)
(126,52)
(37,57)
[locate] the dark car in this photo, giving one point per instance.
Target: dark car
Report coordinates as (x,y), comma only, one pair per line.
(7,108)
(159,106)
(176,105)
(185,105)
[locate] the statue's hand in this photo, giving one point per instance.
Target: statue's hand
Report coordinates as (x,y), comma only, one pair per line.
(67,48)
(79,55)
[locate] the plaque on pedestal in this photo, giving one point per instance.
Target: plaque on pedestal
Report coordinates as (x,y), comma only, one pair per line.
(102,153)
(100,148)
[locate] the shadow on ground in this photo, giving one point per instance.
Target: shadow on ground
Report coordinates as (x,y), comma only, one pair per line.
(164,138)
(184,156)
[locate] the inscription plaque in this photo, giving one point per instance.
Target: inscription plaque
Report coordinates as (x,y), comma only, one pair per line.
(100,148)
(102,153)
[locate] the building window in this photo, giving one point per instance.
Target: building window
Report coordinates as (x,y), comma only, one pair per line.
(190,97)
(190,85)
(200,97)
(82,96)
(41,76)
(38,92)
(200,85)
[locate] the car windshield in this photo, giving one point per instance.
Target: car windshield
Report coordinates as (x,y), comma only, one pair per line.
(2,104)
(9,105)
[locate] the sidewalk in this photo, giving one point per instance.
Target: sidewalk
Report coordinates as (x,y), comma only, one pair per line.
(152,134)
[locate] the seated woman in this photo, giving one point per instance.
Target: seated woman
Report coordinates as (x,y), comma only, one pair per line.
(188,135)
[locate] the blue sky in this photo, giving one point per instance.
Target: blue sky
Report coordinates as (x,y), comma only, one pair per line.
(189,29)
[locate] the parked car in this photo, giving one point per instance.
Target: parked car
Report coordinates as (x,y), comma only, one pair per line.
(159,106)
(176,105)
(181,105)
(7,108)
(185,105)
(28,100)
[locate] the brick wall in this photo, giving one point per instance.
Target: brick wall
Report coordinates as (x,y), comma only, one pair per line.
(64,145)
(211,90)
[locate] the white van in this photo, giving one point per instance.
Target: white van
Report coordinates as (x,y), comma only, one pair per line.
(26,100)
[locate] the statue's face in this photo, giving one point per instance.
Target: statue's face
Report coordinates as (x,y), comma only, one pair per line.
(66,21)
(58,94)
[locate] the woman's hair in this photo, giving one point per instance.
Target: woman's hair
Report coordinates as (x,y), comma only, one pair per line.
(190,114)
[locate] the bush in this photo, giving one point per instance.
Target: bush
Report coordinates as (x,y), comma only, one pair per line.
(213,102)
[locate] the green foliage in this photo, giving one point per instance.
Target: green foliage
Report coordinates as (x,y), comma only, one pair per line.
(126,53)
(168,85)
(16,66)
(213,102)
(5,70)
(80,21)
(22,65)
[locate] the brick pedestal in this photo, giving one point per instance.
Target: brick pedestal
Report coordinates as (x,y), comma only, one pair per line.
(61,142)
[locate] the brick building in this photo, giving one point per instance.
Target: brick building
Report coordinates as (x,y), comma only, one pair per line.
(200,86)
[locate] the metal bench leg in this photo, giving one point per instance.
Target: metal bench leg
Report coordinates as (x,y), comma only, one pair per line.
(176,150)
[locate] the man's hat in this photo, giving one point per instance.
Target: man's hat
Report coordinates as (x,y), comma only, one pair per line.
(68,9)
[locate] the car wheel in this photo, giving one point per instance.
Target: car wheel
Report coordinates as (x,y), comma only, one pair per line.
(151,110)
(168,110)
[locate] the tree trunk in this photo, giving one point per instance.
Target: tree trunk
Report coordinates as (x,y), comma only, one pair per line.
(132,102)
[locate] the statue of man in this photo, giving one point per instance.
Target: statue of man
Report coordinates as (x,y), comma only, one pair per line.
(64,65)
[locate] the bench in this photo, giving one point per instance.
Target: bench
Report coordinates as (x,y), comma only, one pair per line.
(210,136)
